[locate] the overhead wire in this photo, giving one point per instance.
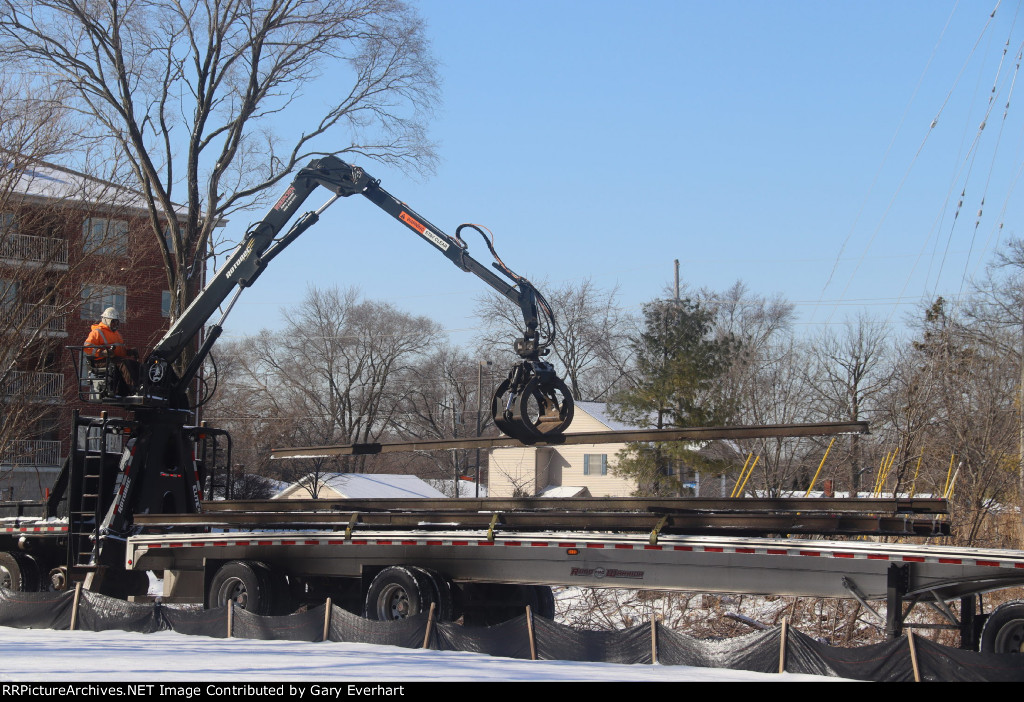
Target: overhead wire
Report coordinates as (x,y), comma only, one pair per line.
(885,156)
(919,151)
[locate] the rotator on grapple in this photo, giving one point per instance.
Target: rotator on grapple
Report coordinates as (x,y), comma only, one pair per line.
(532,404)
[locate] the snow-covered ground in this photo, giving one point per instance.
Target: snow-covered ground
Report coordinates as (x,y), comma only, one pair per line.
(34,655)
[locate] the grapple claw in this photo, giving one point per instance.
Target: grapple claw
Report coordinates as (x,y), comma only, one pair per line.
(532,404)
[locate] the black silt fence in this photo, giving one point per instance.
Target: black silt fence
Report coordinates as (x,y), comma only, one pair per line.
(524,637)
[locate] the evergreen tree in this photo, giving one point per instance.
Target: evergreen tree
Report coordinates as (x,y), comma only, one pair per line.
(680,367)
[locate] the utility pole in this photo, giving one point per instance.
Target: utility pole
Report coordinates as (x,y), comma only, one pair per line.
(479,409)
(455,453)
(677,280)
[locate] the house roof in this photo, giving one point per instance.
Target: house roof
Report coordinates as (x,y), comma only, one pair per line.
(371,485)
(467,488)
(599,411)
(45,181)
(48,182)
(564,491)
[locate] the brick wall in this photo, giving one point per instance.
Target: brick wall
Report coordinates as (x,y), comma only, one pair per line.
(130,267)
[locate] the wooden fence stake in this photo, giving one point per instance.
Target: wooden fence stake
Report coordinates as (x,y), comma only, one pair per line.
(327,618)
(231,610)
(782,645)
(913,656)
(74,605)
(654,640)
(529,629)
(430,625)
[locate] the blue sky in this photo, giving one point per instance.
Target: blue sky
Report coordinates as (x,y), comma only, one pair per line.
(769,142)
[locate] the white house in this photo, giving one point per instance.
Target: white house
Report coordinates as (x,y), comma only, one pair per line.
(562,471)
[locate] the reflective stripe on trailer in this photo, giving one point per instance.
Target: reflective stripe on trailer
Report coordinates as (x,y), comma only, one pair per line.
(220,542)
(34,530)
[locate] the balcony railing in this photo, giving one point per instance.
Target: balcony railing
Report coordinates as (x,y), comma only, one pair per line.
(36,249)
(31,452)
(49,318)
(34,387)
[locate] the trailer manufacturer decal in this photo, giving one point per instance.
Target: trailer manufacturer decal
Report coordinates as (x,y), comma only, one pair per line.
(606,573)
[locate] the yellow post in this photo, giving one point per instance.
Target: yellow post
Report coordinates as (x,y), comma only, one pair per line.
(749,473)
(949,473)
(878,475)
(913,484)
(952,483)
(820,466)
(888,470)
(743,470)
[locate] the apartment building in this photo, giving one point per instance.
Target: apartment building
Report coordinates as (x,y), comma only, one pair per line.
(70,246)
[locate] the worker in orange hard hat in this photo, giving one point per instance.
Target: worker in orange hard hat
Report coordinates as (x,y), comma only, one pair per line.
(105,345)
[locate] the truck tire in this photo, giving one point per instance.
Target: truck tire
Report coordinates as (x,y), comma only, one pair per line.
(442,594)
(246,583)
(18,572)
(542,601)
(281,603)
(1004,629)
(398,592)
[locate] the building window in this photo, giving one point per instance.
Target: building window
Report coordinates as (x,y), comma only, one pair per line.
(169,237)
(8,223)
(96,298)
(8,293)
(108,237)
(595,464)
(165,303)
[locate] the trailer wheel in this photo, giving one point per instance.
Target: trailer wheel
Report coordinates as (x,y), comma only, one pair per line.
(58,579)
(245,583)
(18,572)
(398,592)
(1004,629)
(543,601)
(281,599)
(442,595)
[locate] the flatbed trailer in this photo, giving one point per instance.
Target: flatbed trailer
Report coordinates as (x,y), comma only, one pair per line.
(485,559)
(489,576)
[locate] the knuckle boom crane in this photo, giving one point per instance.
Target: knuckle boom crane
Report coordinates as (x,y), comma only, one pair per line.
(157,473)
(532,404)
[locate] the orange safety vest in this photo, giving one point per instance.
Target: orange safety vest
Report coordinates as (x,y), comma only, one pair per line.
(101,338)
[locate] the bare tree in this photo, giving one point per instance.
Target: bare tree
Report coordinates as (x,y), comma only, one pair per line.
(995,318)
(966,392)
(591,346)
(332,376)
(776,391)
(188,93)
(447,396)
(848,373)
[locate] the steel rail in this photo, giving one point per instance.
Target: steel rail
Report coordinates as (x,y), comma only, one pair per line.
(696,434)
(688,524)
(860,505)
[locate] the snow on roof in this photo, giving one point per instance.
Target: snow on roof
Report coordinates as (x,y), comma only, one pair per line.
(599,411)
(49,182)
(372,485)
(563,491)
(467,488)
(46,181)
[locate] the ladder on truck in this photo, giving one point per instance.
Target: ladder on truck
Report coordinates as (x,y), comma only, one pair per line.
(93,471)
